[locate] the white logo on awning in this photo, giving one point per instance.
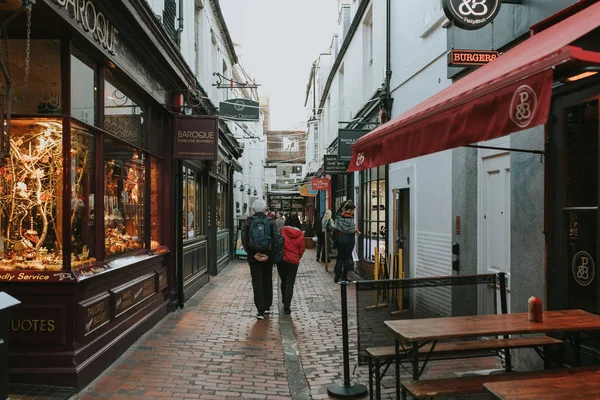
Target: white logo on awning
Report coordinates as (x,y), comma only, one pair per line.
(523,106)
(360,158)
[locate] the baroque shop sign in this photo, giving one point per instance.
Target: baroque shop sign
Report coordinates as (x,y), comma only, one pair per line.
(92,21)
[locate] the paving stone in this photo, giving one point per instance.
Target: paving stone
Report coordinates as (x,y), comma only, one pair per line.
(214,348)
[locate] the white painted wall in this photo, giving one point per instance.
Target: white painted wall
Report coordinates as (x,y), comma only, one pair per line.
(419,71)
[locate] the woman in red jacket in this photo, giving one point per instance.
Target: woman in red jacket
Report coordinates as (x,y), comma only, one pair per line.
(293,249)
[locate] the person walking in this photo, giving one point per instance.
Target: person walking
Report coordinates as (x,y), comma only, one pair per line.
(346,228)
(293,249)
(260,242)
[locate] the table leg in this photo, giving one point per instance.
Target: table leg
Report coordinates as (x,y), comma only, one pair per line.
(415,360)
(397,344)
(577,346)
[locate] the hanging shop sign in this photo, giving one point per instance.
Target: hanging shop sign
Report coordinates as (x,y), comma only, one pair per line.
(240,109)
(306,190)
(196,137)
(471,14)
(471,58)
(333,166)
(94,22)
(270,175)
(320,183)
(346,138)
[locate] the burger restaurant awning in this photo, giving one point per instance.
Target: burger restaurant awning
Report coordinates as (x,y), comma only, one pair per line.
(507,95)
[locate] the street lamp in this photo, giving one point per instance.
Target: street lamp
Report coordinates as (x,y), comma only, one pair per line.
(250,192)
(241,186)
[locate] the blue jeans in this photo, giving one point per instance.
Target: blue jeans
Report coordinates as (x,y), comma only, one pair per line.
(344,259)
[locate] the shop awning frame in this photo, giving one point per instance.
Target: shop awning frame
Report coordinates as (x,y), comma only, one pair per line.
(438,123)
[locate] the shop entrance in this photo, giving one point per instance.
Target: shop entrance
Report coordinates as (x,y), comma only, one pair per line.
(495,217)
(573,247)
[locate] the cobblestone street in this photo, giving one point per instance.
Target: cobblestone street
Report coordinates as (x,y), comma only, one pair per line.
(214,348)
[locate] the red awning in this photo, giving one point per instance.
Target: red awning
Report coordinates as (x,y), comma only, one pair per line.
(510,94)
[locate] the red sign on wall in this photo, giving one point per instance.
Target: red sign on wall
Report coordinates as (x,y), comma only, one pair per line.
(320,183)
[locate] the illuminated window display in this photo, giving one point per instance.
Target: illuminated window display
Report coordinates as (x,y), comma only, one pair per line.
(31,196)
(124,177)
(82,197)
(155,232)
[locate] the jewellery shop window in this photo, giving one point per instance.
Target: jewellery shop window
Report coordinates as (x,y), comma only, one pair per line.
(373,213)
(36,78)
(31,193)
(192,204)
(124,179)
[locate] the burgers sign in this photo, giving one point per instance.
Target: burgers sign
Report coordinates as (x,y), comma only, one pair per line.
(471,14)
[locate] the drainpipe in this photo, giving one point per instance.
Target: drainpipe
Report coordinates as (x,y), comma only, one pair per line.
(387,95)
(315,89)
(180,21)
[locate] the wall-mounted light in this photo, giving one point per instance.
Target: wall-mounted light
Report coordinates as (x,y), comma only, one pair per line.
(583,73)
(250,191)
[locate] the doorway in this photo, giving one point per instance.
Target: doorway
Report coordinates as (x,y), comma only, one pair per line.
(573,204)
(494,217)
(401,222)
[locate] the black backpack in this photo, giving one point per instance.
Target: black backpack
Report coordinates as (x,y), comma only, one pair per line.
(259,239)
(278,258)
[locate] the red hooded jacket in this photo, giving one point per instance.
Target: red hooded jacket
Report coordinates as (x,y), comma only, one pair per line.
(293,244)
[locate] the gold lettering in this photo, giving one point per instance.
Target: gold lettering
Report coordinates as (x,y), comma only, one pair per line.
(51,326)
(72,3)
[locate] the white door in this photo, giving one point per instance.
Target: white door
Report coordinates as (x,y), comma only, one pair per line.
(495,219)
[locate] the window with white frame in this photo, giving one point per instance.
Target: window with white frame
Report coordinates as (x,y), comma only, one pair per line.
(290,144)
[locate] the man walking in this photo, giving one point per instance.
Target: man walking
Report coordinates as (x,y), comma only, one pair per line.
(260,240)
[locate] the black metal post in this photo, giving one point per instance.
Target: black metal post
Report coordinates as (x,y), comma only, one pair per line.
(347,390)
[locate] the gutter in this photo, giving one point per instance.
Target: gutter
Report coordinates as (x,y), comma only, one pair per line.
(225,31)
(360,12)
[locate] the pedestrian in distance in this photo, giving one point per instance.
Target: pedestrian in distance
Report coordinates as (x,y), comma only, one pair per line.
(327,226)
(346,228)
(280,221)
(293,249)
(260,242)
(320,240)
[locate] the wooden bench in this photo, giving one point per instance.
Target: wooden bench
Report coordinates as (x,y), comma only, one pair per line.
(383,357)
(469,385)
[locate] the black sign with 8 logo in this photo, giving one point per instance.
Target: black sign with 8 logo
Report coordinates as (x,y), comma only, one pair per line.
(471,14)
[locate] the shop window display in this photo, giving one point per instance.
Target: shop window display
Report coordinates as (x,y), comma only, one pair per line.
(155,232)
(124,177)
(82,214)
(31,183)
(373,212)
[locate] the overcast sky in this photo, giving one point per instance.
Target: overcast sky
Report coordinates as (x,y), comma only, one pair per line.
(279,40)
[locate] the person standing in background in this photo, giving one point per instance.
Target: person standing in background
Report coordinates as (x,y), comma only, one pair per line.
(280,221)
(260,239)
(293,249)
(320,240)
(327,226)
(346,228)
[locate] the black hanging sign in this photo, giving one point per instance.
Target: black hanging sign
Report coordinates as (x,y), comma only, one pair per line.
(346,138)
(471,14)
(333,166)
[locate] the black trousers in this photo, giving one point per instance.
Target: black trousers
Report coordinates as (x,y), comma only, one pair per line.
(287,275)
(344,261)
(262,284)
(321,246)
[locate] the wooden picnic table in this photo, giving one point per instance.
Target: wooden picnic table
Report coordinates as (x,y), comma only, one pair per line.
(419,332)
(584,385)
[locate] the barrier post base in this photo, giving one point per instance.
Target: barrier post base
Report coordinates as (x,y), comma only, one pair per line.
(341,391)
